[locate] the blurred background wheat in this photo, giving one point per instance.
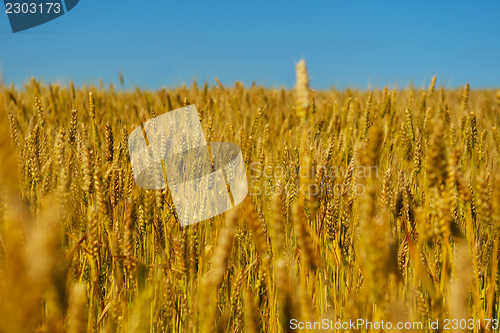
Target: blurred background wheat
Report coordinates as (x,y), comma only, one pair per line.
(83,249)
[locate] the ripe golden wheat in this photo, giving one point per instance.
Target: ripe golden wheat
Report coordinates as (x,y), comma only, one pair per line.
(380,205)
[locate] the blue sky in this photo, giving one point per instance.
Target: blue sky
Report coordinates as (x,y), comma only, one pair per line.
(165,43)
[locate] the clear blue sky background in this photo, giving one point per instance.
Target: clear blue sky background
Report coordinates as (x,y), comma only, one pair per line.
(355,44)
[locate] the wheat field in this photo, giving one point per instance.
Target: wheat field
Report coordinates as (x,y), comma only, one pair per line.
(379,205)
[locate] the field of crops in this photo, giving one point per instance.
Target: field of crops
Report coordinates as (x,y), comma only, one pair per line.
(379,205)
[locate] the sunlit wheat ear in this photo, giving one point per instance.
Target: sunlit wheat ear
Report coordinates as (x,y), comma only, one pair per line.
(13,130)
(483,149)
(17,145)
(46,266)
(472,203)
(367,116)
(109,138)
(406,140)
(128,235)
(100,195)
(301,89)
(432,85)
(417,162)
(15,278)
(91,106)
(421,113)
(311,187)
(193,248)
(258,234)
(266,135)
(72,126)
(180,260)
(459,292)
(445,112)
(252,320)
(483,200)
(87,169)
(465,97)
(113,184)
(276,222)
(387,190)
(308,254)
(284,292)
(41,114)
(436,157)
(444,203)
(236,298)
(348,178)
(34,153)
(223,248)
(473,128)
(374,227)
(331,218)
(307,312)
(92,232)
(77,308)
